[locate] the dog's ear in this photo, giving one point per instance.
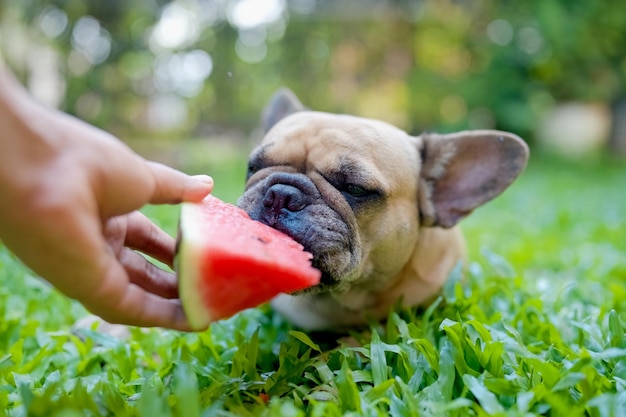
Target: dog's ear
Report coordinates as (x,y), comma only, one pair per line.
(461,171)
(283,103)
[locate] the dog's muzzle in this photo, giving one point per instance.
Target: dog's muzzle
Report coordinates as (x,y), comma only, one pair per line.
(282,199)
(285,196)
(291,203)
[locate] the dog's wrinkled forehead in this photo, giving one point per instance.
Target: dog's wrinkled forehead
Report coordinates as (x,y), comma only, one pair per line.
(308,138)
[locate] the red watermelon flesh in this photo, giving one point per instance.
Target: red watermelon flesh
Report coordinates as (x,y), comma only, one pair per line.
(227,262)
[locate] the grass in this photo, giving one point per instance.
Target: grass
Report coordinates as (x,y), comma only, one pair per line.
(537,328)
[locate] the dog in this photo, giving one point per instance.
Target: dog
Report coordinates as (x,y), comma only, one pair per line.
(376,207)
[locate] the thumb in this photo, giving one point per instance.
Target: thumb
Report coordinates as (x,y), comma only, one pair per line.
(173,187)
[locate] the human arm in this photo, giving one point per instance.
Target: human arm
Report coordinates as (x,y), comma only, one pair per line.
(68,210)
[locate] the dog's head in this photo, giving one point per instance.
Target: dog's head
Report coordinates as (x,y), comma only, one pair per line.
(355,192)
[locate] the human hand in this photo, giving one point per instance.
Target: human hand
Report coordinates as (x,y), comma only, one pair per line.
(68,210)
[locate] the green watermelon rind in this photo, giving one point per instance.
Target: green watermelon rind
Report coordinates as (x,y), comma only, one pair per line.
(191,253)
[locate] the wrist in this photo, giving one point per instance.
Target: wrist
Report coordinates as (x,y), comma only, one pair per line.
(13,96)
(29,136)
(23,119)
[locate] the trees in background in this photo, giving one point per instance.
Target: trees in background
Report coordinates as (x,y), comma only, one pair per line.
(197,66)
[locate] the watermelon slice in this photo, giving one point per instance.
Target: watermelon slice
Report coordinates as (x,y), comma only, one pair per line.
(227,262)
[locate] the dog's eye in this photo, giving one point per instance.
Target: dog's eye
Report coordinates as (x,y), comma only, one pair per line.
(356,190)
(252,169)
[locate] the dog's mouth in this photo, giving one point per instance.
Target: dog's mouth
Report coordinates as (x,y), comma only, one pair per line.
(319,261)
(291,204)
(327,280)
(325,258)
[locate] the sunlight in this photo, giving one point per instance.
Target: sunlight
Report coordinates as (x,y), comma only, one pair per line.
(500,32)
(247,14)
(53,21)
(91,39)
(176,27)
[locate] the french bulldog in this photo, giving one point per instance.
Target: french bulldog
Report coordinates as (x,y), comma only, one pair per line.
(376,207)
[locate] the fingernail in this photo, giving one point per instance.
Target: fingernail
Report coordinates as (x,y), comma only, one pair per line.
(205,179)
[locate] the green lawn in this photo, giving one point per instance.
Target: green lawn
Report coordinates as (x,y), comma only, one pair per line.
(536,329)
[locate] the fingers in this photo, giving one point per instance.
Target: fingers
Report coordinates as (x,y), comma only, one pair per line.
(147,275)
(146,237)
(140,308)
(118,300)
(132,182)
(172,186)
(125,271)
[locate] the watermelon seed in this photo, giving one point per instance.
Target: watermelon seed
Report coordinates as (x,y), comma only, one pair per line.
(265,242)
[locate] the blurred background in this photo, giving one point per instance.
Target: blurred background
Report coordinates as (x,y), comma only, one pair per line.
(185,81)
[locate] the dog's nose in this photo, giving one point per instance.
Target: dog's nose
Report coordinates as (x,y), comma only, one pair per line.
(284,196)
